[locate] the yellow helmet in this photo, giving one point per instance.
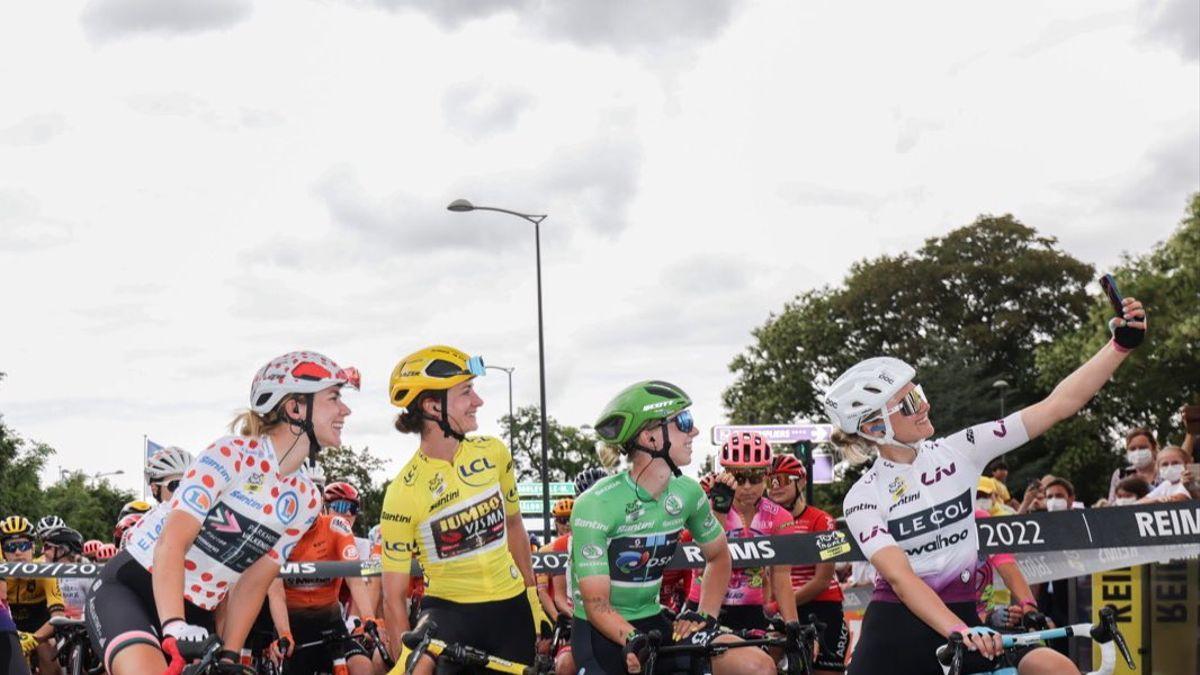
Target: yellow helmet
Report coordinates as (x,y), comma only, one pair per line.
(16,526)
(986,485)
(562,508)
(435,368)
(135,506)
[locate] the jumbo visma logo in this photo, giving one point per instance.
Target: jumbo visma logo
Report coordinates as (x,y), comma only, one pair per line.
(467,471)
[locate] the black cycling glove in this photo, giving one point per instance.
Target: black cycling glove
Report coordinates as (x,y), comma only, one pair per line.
(722,498)
(639,644)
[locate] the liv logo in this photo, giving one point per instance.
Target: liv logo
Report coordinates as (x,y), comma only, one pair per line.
(938,474)
(1001,432)
(864,537)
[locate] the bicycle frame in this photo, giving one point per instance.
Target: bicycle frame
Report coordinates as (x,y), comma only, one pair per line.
(795,649)
(421,641)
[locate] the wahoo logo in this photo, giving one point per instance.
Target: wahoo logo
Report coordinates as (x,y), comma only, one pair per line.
(938,474)
(938,543)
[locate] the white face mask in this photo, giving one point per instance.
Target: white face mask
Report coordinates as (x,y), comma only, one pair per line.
(1056,504)
(985,504)
(1124,501)
(1139,458)
(1172,473)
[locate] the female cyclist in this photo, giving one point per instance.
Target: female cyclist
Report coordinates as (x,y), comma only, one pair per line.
(454,508)
(625,529)
(737,498)
(816,590)
(237,514)
(912,512)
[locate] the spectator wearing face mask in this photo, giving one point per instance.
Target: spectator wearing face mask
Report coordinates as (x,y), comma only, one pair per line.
(1129,491)
(1172,469)
(1060,495)
(1140,454)
(987,498)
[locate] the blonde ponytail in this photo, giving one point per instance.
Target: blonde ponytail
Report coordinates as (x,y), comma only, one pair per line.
(854,448)
(252,425)
(610,455)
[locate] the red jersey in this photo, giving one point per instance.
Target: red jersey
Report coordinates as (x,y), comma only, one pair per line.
(329,540)
(676,583)
(812,519)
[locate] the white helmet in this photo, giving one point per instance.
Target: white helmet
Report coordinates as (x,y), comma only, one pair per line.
(46,524)
(170,461)
(863,392)
(296,373)
(315,473)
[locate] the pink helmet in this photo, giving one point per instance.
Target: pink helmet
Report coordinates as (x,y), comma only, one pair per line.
(125,525)
(296,373)
(91,547)
(746,450)
(106,552)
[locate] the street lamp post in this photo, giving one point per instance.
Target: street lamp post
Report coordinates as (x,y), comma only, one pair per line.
(1002,386)
(512,421)
(462,206)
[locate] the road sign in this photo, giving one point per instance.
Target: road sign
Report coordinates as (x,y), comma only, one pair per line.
(556,489)
(776,433)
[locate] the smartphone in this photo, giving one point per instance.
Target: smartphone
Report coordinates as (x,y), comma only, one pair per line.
(1109,284)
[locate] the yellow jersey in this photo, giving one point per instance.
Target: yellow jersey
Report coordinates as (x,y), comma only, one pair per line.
(451,516)
(24,592)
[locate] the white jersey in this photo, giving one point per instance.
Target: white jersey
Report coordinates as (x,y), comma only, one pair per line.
(927,508)
(74,591)
(246,509)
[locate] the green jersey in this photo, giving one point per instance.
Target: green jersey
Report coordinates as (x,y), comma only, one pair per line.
(629,540)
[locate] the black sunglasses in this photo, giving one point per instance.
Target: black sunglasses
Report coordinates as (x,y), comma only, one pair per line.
(754,478)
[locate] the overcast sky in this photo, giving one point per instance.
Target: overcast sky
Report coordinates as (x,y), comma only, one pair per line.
(190,188)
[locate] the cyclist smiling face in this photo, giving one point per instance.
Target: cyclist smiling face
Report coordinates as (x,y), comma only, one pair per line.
(329,414)
(462,403)
(908,413)
(671,429)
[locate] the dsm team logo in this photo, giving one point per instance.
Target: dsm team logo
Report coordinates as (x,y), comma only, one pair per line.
(628,561)
(287,506)
(198,498)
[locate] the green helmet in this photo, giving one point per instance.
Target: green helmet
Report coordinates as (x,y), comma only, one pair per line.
(631,410)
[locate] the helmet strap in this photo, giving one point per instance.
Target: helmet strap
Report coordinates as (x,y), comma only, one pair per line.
(889,437)
(665,453)
(443,420)
(305,427)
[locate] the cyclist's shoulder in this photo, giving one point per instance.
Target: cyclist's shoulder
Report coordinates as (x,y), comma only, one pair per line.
(602,492)
(489,445)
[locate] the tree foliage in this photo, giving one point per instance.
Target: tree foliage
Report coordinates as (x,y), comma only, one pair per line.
(1160,376)
(569,449)
(356,467)
(967,309)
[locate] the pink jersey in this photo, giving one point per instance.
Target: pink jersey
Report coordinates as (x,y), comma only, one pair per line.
(985,572)
(746,584)
(246,510)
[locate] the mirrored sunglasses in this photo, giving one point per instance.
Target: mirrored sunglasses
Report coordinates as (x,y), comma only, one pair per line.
(912,403)
(684,421)
(343,506)
(18,546)
(778,480)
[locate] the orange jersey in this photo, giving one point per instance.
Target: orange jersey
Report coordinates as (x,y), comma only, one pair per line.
(328,540)
(560,544)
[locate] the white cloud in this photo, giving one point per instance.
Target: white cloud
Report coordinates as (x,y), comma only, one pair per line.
(476,110)
(33,130)
(1175,23)
(23,228)
(623,25)
(105,20)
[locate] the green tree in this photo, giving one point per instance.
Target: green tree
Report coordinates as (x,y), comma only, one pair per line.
(356,467)
(1160,376)
(966,309)
(87,505)
(569,450)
